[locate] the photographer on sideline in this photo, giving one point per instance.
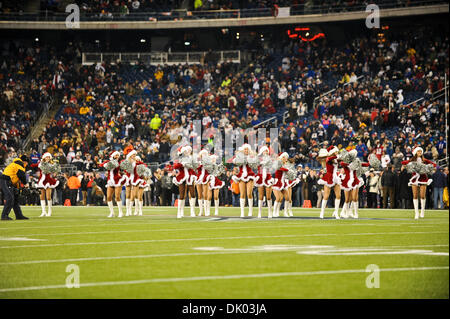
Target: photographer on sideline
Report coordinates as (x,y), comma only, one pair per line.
(13,175)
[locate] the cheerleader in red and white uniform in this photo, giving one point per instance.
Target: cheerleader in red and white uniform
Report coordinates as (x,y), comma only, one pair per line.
(141,175)
(127,166)
(203,179)
(331,181)
(115,181)
(215,183)
(185,179)
(264,180)
(47,182)
(358,182)
(348,182)
(291,181)
(420,167)
(279,182)
(243,159)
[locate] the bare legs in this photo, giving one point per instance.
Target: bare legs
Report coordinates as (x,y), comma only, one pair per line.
(421,191)
(110,192)
(267,192)
(46,194)
(326,195)
(246,191)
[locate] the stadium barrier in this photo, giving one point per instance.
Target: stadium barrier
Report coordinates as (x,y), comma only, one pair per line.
(159,58)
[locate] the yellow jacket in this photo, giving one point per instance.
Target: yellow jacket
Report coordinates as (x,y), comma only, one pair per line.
(16,172)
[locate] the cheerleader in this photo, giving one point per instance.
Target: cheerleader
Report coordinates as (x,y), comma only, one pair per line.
(203,179)
(291,181)
(420,168)
(114,183)
(348,184)
(47,182)
(245,159)
(141,175)
(127,166)
(358,182)
(279,182)
(215,183)
(264,180)
(185,179)
(331,181)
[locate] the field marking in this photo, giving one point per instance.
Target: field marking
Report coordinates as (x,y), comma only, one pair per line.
(223,277)
(20,239)
(212,238)
(300,224)
(122,223)
(300,249)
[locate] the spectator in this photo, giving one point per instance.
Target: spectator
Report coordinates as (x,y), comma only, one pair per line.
(439,183)
(74,184)
(388,186)
(373,189)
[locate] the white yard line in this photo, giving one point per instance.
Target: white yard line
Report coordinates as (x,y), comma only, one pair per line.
(216,238)
(267,226)
(128,222)
(223,277)
(237,251)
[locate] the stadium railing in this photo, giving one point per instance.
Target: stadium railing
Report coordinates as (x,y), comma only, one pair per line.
(159,58)
(183,14)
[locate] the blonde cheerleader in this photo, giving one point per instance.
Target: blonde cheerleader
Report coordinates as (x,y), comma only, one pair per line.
(46,182)
(420,168)
(279,182)
(246,160)
(127,166)
(215,183)
(185,178)
(291,181)
(264,180)
(115,181)
(142,174)
(331,181)
(203,179)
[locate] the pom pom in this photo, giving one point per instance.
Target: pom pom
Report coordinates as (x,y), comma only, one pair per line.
(143,171)
(127,166)
(355,164)
(253,162)
(361,171)
(55,168)
(411,167)
(374,161)
(218,170)
(344,156)
(208,163)
(266,161)
(111,165)
(240,159)
(430,169)
(45,167)
(291,173)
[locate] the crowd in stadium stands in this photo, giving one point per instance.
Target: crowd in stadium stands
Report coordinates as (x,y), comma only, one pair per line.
(110,107)
(25,86)
(107,8)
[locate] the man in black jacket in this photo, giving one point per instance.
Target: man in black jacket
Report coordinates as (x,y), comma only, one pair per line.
(388,186)
(439,183)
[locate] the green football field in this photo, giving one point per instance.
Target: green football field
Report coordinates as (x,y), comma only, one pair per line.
(383,254)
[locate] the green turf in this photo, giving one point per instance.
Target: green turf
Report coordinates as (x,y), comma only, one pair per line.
(160,256)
